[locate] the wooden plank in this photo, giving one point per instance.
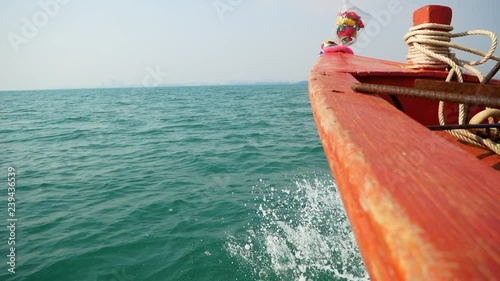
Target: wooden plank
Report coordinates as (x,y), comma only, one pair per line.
(364,66)
(420,208)
(471,89)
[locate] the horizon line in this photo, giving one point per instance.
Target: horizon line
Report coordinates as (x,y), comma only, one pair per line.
(167,86)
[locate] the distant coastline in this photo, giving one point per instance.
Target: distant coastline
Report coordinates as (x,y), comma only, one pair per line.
(230,83)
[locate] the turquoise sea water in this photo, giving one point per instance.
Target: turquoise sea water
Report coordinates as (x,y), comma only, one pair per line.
(180,183)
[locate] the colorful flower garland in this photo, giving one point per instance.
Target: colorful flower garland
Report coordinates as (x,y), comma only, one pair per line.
(348,25)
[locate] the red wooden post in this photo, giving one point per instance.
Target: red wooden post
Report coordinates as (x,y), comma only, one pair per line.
(432,14)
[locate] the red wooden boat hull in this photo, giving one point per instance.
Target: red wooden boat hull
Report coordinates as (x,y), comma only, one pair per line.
(422,206)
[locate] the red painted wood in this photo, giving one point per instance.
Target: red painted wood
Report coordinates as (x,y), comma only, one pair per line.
(432,14)
(364,66)
(421,208)
(485,155)
(375,71)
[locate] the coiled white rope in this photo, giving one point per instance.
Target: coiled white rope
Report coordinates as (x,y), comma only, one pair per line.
(429,47)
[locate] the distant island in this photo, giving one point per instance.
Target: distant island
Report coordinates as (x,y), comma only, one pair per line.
(228,83)
(302,82)
(263,83)
(115,84)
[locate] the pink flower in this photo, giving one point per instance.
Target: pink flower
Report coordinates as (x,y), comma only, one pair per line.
(348,31)
(361,24)
(352,15)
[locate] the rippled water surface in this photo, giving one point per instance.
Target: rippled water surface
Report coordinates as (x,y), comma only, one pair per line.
(180,183)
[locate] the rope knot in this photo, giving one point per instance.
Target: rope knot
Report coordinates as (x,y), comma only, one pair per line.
(429,47)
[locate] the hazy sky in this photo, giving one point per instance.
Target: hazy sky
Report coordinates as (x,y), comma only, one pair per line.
(88,43)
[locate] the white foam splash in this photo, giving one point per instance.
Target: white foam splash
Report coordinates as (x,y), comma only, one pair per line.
(301,233)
